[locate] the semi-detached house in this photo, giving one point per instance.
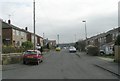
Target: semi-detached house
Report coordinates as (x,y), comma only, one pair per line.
(105,41)
(13,35)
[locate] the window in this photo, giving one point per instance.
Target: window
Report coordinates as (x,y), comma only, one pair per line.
(14,32)
(30,52)
(17,32)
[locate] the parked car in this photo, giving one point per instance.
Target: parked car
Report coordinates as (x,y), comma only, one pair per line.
(102,52)
(58,48)
(72,49)
(32,56)
(106,50)
(38,47)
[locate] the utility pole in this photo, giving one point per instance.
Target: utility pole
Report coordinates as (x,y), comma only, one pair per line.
(43,39)
(58,38)
(34,21)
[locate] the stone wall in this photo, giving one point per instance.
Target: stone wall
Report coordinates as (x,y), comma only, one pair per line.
(117,53)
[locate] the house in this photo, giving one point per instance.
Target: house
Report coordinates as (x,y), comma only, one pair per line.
(52,42)
(105,41)
(110,40)
(38,39)
(13,35)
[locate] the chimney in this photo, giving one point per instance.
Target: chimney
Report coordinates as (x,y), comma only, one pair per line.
(26,28)
(9,22)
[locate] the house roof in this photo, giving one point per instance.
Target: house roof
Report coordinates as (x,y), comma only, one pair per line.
(113,30)
(7,26)
(104,34)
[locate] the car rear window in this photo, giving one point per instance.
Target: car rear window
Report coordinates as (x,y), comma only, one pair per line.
(30,52)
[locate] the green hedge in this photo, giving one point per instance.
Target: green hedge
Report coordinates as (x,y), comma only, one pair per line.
(92,50)
(11,49)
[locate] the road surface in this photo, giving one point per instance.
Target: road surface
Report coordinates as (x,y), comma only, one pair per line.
(60,65)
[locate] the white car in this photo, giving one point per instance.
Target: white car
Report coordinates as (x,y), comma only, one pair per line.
(72,49)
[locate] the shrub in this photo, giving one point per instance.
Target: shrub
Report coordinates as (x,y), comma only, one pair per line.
(92,50)
(27,45)
(8,49)
(11,49)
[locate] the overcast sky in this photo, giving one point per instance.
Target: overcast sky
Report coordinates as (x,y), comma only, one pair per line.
(63,17)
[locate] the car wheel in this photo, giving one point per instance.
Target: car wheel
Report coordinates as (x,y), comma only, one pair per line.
(41,61)
(38,62)
(101,53)
(24,62)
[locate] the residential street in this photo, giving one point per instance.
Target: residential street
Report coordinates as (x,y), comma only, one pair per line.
(59,65)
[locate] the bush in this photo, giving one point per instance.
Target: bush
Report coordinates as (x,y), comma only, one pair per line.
(27,45)
(8,49)
(11,49)
(92,50)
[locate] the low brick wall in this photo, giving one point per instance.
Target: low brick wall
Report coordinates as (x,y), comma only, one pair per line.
(117,53)
(11,58)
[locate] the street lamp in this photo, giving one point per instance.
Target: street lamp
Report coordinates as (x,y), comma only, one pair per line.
(85,30)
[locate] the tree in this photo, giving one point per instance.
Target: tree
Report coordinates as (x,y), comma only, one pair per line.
(117,42)
(27,45)
(80,45)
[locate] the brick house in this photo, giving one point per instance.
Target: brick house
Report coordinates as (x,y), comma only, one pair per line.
(105,41)
(14,36)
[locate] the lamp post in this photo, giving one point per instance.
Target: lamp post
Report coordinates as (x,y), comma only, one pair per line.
(34,21)
(85,30)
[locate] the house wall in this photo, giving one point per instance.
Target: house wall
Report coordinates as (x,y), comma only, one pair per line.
(117,53)
(7,36)
(18,37)
(41,41)
(29,37)
(108,38)
(38,40)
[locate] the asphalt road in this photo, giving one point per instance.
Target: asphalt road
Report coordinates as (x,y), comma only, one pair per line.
(60,65)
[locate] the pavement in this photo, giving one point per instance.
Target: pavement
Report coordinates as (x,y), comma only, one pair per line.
(107,64)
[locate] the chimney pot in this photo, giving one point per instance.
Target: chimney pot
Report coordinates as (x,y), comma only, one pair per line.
(26,28)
